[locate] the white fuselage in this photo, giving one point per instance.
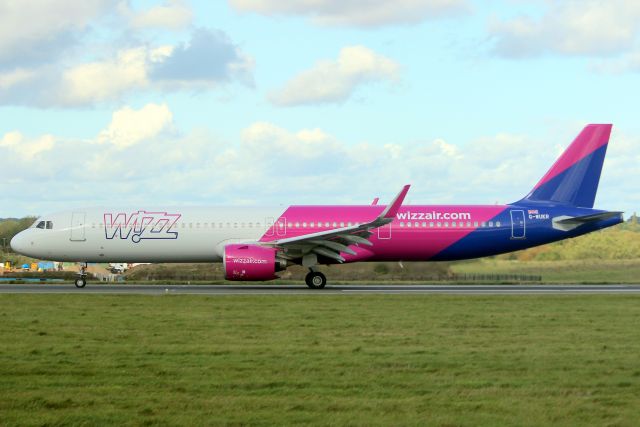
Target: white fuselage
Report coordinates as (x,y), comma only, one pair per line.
(130,235)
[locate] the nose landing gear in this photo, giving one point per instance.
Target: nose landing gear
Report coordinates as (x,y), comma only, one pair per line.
(315,279)
(81,280)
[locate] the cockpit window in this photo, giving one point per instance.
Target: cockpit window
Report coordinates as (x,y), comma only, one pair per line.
(48,225)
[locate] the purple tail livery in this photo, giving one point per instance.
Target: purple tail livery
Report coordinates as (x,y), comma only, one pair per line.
(256,243)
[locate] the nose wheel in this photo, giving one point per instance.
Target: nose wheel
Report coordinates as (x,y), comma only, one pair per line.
(315,280)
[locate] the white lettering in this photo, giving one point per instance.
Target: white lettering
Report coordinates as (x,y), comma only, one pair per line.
(433,215)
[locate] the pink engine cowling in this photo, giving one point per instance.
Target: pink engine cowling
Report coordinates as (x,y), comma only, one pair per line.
(249,262)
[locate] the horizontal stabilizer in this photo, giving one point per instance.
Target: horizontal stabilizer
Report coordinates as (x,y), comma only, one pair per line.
(566,223)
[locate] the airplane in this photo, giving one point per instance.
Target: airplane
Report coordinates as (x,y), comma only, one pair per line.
(255,243)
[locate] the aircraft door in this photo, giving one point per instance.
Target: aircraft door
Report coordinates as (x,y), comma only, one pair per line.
(281,226)
(271,226)
(384,232)
(77,227)
(518,227)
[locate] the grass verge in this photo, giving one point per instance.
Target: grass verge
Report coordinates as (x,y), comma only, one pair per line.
(361,360)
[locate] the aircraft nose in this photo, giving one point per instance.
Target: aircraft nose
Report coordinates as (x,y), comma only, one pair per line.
(19,243)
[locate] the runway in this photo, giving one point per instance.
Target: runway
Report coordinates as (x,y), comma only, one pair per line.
(218,290)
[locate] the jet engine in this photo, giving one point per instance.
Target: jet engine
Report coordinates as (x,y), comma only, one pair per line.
(251,262)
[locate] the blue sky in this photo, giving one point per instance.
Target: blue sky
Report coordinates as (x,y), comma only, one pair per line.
(325,101)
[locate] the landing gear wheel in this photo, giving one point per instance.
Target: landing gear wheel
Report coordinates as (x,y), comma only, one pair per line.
(315,280)
(81,282)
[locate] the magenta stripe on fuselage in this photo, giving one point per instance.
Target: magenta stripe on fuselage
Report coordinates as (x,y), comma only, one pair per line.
(409,237)
(589,140)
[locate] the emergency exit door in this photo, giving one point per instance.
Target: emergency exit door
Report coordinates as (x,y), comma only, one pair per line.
(518,227)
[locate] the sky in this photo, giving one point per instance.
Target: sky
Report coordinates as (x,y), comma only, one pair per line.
(279,102)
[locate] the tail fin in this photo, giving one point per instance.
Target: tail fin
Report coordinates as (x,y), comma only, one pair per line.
(573,178)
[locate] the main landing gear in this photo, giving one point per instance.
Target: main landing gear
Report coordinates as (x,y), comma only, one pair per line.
(315,279)
(81,280)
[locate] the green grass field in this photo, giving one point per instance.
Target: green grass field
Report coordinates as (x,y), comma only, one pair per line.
(358,360)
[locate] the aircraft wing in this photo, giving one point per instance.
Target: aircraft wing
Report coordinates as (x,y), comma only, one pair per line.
(331,243)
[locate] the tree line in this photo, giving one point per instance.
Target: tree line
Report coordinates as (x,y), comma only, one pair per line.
(10,227)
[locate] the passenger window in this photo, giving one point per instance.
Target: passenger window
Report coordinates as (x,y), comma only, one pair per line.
(431,224)
(402,224)
(490,223)
(498,224)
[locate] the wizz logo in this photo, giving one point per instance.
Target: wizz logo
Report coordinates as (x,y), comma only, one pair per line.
(140,225)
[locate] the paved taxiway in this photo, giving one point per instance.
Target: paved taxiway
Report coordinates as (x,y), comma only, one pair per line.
(329,290)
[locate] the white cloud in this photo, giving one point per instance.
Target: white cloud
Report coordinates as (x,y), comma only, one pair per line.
(103,80)
(573,27)
(335,81)
(369,13)
(15,77)
(269,164)
(266,138)
(67,53)
(171,15)
(129,126)
(37,30)
(26,148)
(208,61)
